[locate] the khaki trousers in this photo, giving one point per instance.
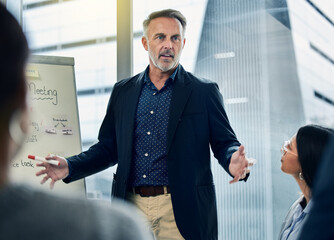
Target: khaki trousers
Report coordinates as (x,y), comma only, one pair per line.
(158,211)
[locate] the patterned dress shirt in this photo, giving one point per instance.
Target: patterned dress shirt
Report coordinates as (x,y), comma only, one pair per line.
(149,166)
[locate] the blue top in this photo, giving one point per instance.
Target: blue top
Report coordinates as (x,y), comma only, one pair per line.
(149,167)
(295,219)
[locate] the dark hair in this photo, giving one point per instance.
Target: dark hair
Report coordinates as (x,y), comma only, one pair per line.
(13,55)
(311,144)
(168,13)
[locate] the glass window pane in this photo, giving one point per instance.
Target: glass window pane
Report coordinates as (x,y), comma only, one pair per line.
(85,30)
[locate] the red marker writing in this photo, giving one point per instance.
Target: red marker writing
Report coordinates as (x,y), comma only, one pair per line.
(41,159)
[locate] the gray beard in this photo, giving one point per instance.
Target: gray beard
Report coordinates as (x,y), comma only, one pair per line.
(167,68)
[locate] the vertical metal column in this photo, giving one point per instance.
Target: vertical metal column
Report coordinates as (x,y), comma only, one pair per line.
(124,39)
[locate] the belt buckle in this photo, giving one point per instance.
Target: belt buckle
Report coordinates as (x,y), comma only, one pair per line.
(165,190)
(147,191)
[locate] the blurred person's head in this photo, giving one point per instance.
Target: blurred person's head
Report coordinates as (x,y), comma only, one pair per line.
(302,154)
(164,39)
(13,56)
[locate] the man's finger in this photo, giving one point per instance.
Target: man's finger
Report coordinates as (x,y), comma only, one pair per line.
(235,179)
(52,184)
(241,150)
(40,164)
(44,179)
(51,157)
(41,172)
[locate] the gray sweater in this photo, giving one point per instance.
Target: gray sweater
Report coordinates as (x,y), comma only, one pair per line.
(26,213)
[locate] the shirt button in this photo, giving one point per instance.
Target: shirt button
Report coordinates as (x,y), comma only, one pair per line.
(154,94)
(152,112)
(144,176)
(148,133)
(146,154)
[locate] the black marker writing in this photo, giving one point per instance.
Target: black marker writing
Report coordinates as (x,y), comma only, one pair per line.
(43,94)
(32,138)
(27,164)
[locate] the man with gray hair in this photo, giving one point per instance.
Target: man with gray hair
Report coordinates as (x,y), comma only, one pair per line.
(158,128)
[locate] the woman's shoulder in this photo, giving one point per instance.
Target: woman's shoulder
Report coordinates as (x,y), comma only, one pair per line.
(299,202)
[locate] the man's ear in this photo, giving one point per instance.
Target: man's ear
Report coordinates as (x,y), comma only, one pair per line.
(144,42)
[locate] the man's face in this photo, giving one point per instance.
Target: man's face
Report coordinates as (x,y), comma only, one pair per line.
(164,43)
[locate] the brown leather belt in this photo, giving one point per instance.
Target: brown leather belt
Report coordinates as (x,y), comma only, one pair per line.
(151,191)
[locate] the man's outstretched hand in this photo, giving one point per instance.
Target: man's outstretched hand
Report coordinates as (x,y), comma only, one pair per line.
(53,172)
(239,164)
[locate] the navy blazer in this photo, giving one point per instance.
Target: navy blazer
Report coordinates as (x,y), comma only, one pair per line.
(197,121)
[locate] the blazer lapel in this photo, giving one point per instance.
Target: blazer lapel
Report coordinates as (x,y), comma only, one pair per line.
(181,92)
(130,105)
